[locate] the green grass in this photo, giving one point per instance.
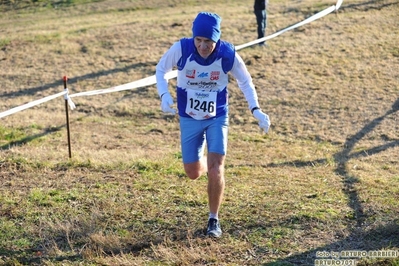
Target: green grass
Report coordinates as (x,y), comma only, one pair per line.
(325,178)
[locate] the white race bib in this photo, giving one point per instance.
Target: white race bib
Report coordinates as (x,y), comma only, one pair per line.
(201,104)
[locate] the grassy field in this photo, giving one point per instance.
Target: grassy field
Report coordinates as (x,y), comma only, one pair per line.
(325,180)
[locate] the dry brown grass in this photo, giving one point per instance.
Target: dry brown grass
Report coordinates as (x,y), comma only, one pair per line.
(325,177)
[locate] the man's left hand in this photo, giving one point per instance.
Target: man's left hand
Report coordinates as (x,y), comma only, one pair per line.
(263,119)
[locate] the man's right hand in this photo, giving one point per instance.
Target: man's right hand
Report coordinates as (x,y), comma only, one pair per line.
(167,103)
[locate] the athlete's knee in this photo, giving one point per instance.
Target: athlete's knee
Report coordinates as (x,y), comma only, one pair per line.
(193,175)
(216,165)
(215,173)
(196,169)
(192,172)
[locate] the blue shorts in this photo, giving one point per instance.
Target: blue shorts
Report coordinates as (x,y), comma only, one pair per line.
(195,133)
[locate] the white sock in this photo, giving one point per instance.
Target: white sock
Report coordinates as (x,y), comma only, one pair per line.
(213,215)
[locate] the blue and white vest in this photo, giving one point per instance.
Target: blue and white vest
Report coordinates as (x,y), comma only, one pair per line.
(202,83)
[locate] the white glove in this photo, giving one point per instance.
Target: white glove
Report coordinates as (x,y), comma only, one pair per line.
(263,119)
(167,102)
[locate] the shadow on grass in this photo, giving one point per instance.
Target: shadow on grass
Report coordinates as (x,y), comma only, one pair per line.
(72,80)
(27,139)
(360,238)
(133,247)
(381,238)
(369,5)
(31,257)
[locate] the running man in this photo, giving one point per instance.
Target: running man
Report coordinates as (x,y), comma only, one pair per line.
(203,62)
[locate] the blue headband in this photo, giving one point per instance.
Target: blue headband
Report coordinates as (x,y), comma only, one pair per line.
(207,25)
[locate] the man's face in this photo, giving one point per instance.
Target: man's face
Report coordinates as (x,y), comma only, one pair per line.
(204,46)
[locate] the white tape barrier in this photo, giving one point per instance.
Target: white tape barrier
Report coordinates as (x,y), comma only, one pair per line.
(128,86)
(173,74)
(308,20)
(37,102)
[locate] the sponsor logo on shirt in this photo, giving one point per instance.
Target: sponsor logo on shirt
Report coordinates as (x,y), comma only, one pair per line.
(215,75)
(202,84)
(201,95)
(203,75)
(190,73)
